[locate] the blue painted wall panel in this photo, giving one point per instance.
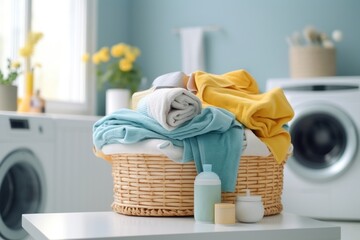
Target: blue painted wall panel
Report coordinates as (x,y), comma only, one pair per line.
(252,36)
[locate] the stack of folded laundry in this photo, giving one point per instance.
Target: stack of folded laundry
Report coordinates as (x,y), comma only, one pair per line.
(205,118)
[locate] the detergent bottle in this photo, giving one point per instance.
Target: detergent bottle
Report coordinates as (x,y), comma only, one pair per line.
(207,192)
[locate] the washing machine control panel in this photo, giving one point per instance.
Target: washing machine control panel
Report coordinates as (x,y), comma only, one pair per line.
(14,127)
(16,123)
(321,87)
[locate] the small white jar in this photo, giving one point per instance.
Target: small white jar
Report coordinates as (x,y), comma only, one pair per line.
(249,208)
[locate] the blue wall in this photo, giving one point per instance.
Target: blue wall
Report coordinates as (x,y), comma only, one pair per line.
(112,27)
(252,36)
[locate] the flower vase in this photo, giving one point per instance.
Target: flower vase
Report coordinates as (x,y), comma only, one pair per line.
(24,105)
(117,98)
(8,98)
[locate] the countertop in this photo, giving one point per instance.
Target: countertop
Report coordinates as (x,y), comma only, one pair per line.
(110,225)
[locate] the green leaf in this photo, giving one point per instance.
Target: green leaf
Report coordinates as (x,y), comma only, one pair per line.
(13,73)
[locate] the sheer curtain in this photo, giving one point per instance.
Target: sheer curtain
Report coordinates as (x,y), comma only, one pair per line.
(68,28)
(12,29)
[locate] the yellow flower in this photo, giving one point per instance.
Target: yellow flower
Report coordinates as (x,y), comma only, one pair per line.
(136,51)
(34,37)
(130,56)
(26,51)
(132,53)
(118,50)
(125,65)
(85,57)
(95,58)
(117,66)
(31,41)
(104,55)
(15,64)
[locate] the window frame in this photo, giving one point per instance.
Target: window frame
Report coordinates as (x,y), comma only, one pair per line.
(89,105)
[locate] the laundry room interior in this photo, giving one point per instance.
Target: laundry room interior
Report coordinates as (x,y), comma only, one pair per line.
(179,119)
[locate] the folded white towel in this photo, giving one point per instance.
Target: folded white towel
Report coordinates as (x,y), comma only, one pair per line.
(171,107)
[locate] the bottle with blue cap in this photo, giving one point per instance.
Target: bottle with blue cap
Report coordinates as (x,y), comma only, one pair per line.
(207,192)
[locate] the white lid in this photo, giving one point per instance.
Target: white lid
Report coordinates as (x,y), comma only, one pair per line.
(207,177)
(248,197)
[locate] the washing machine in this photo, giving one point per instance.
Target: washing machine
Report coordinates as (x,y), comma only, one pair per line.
(321,178)
(47,164)
(27,156)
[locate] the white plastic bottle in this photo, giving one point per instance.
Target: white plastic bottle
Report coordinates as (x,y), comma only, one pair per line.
(207,192)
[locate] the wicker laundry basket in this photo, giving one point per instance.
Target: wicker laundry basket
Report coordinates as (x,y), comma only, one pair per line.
(153,185)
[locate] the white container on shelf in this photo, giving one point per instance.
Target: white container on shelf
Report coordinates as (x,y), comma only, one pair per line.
(312,61)
(249,208)
(117,98)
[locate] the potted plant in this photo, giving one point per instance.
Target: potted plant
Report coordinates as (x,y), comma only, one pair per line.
(117,67)
(8,92)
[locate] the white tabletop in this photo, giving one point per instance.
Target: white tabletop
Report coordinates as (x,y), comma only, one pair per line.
(110,225)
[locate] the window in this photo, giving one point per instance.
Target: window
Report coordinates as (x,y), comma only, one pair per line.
(12,29)
(67,26)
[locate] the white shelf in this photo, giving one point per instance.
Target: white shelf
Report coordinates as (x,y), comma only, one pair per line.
(110,225)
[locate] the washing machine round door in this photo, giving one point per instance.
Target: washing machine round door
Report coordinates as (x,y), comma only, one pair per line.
(325,141)
(21,191)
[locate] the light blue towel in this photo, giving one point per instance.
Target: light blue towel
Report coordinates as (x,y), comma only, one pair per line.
(213,137)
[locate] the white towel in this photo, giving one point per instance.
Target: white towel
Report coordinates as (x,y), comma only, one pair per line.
(170,107)
(149,146)
(254,146)
(192,45)
(172,79)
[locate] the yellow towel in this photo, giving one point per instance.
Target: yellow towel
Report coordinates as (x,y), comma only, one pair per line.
(264,113)
(137,96)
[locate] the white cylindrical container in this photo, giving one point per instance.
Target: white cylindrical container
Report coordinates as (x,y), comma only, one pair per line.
(207,192)
(117,98)
(312,61)
(249,208)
